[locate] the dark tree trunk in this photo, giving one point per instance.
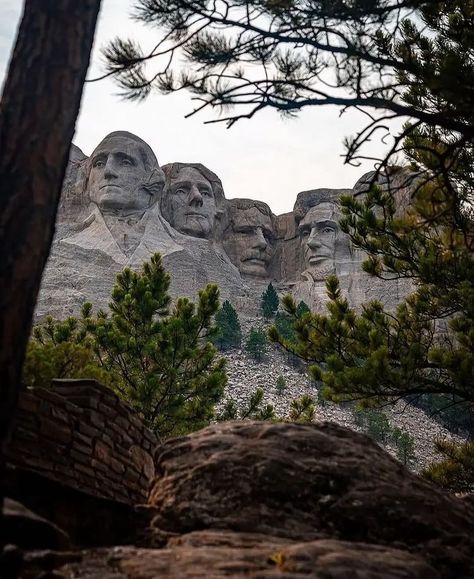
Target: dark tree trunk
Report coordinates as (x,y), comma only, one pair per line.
(38,111)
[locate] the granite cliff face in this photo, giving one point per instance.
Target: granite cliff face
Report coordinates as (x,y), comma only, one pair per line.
(119,206)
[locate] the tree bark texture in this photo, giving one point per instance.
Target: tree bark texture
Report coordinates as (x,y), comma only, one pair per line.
(38,110)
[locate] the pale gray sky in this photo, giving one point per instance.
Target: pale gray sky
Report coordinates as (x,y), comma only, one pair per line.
(267,158)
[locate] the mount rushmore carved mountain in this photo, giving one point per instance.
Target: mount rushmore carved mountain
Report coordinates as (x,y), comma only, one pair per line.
(118,206)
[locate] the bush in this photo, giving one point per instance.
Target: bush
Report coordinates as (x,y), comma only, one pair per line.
(253,410)
(303,409)
(280,385)
(455,472)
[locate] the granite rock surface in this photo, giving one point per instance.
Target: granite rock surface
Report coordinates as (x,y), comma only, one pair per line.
(118,207)
(260,500)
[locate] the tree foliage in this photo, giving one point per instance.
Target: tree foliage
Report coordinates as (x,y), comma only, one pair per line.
(280,385)
(59,349)
(374,422)
(456,471)
(158,357)
(253,410)
(409,58)
(377,426)
(302,409)
(284,325)
(404,58)
(228,331)
(270,302)
(405,445)
(256,344)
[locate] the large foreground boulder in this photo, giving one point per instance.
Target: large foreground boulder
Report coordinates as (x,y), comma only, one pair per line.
(268,500)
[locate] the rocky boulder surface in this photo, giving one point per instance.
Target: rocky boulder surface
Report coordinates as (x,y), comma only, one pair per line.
(262,500)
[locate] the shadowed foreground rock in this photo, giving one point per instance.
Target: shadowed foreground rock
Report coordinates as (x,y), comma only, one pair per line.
(283,500)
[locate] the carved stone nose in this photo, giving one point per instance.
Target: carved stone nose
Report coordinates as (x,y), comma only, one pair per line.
(260,241)
(314,242)
(109,171)
(195,197)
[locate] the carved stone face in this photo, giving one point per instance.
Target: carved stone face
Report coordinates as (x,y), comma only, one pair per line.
(319,231)
(118,177)
(190,203)
(251,243)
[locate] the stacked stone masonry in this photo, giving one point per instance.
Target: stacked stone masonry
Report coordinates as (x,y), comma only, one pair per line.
(81,435)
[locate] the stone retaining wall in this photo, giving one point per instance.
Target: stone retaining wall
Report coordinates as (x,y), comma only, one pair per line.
(80,434)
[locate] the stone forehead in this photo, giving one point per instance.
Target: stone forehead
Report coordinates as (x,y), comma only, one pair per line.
(239,205)
(321,212)
(308,199)
(191,173)
(364,183)
(144,148)
(172,170)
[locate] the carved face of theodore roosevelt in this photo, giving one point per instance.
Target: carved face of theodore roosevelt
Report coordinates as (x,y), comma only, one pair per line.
(124,176)
(250,241)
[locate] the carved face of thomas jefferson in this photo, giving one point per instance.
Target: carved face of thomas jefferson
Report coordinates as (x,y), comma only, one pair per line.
(319,231)
(190,204)
(124,176)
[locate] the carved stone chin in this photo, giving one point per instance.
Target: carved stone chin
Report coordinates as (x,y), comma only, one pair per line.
(320,272)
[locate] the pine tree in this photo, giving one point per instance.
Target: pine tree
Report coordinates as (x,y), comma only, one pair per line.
(303,409)
(254,409)
(228,331)
(256,344)
(405,444)
(378,425)
(426,346)
(284,325)
(302,308)
(456,471)
(270,302)
(159,356)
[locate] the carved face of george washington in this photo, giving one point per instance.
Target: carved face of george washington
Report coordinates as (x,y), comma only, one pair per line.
(124,176)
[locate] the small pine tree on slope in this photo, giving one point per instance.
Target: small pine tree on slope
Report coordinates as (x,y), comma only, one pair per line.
(270,302)
(228,331)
